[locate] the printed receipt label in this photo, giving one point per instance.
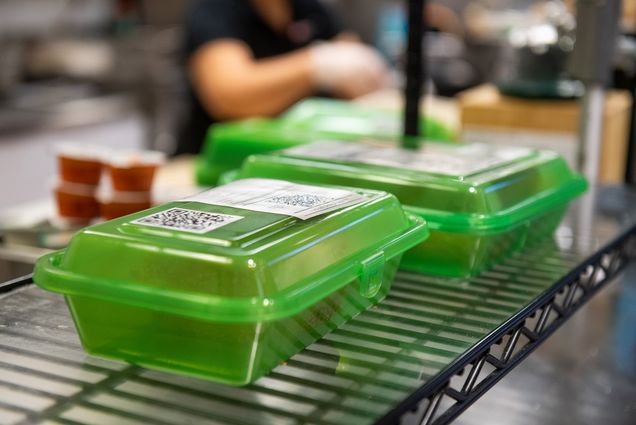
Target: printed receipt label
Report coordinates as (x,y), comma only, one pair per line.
(435,158)
(278,197)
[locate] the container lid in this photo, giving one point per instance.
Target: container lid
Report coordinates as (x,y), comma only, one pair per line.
(341,119)
(455,187)
(311,120)
(227,141)
(228,144)
(253,250)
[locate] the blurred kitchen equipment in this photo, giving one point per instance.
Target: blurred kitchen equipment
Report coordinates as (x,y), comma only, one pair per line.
(81,59)
(10,64)
(449,67)
(25,24)
(534,57)
(42,18)
(486,24)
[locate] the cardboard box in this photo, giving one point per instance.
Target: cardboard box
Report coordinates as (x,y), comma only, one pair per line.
(488,116)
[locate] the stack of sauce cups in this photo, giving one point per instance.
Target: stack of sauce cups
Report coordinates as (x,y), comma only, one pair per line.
(79,174)
(131,178)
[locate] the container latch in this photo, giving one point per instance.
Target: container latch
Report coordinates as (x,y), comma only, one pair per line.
(372,275)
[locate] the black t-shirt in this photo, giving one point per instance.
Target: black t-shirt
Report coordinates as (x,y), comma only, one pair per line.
(210,20)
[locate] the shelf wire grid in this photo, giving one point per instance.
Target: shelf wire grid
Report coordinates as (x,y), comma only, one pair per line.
(423,355)
(487,362)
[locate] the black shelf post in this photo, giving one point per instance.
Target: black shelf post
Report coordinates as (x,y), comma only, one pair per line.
(415,72)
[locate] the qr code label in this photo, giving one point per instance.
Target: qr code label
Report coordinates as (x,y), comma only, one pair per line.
(279,197)
(185,220)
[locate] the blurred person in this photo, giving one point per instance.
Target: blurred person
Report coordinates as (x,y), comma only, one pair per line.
(248,58)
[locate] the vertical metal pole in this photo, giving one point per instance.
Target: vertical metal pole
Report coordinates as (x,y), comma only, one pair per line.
(591,131)
(597,27)
(415,73)
(589,154)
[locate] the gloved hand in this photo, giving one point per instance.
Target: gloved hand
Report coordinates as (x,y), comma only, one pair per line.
(348,69)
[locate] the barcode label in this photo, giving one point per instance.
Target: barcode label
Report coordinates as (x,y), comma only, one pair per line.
(305,201)
(435,158)
(186,220)
(279,197)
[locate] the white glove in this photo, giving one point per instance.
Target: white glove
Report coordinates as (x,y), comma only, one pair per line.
(348,69)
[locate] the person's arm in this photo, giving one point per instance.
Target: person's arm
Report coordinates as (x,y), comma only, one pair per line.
(232,85)
(348,36)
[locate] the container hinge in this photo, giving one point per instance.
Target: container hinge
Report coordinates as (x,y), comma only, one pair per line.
(372,275)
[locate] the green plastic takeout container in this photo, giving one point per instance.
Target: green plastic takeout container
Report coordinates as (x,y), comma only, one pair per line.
(352,121)
(481,202)
(229,283)
(228,144)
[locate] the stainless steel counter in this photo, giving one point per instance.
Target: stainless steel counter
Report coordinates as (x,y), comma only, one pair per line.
(584,375)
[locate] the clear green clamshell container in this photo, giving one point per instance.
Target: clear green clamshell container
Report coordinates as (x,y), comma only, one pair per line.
(481,202)
(351,121)
(227,284)
(228,144)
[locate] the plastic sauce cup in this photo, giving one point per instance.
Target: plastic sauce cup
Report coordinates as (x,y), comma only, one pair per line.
(135,171)
(76,202)
(79,163)
(119,204)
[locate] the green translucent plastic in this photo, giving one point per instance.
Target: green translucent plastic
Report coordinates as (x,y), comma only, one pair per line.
(231,304)
(351,121)
(228,144)
(475,220)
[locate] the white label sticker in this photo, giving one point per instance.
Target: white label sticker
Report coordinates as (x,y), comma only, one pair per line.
(279,197)
(451,160)
(185,220)
(378,125)
(563,143)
